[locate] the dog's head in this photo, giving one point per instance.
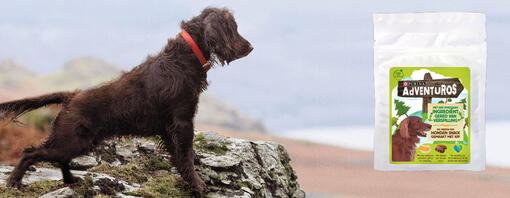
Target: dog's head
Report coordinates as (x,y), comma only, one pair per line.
(219,35)
(413,126)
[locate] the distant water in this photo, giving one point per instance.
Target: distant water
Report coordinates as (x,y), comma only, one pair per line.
(361,138)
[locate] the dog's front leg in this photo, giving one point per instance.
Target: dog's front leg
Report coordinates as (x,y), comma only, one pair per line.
(181,148)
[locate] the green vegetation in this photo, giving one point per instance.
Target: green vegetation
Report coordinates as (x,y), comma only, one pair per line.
(158,140)
(272,174)
(141,172)
(155,163)
(107,154)
(245,184)
(133,172)
(109,187)
(33,190)
(138,171)
(40,118)
(290,171)
(84,187)
(200,143)
(166,186)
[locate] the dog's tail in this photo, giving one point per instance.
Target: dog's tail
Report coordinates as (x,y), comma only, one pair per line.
(15,108)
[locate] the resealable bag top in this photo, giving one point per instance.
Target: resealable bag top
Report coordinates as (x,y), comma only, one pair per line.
(429,72)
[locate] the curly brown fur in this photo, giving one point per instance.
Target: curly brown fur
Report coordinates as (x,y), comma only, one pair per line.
(406,137)
(158,97)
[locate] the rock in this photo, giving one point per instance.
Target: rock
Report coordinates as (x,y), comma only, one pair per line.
(41,174)
(121,151)
(148,146)
(109,186)
(137,167)
(116,163)
(84,162)
(160,173)
(60,193)
(120,195)
(126,149)
(103,180)
(4,173)
(246,169)
(104,183)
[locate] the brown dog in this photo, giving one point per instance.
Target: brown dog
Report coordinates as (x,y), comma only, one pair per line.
(406,137)
(158,97)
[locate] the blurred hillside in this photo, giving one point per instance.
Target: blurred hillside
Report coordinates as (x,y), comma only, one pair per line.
(12,73)
(213,111)
(84,72)
(78,73)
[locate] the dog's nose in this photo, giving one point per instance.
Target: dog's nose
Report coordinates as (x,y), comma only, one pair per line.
(250,48)
(247,49)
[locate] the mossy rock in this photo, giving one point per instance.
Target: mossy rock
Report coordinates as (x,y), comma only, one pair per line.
(200,143)
(32,190)
(167,186)
(84,187)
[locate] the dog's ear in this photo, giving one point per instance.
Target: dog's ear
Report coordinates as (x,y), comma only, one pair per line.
(404,128)
(218,35)
(221,36)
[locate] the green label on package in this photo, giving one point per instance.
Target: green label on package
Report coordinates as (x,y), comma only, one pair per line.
(429,115)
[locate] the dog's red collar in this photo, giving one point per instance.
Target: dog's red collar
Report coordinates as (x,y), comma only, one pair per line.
(196,50)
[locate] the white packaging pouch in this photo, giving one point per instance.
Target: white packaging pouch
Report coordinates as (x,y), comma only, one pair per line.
(430,71)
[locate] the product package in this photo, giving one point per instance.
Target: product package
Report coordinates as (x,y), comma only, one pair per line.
(430,71)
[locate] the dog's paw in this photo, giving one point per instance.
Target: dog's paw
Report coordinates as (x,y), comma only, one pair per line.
(199,186)
(72,180)
(14,183)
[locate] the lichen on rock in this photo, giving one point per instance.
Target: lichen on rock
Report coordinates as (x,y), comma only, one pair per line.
(138,167)
(248,169)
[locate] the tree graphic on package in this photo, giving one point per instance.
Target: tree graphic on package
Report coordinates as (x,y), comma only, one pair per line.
(402,109)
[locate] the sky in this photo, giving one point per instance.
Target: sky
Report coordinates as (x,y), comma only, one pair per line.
(312,65)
